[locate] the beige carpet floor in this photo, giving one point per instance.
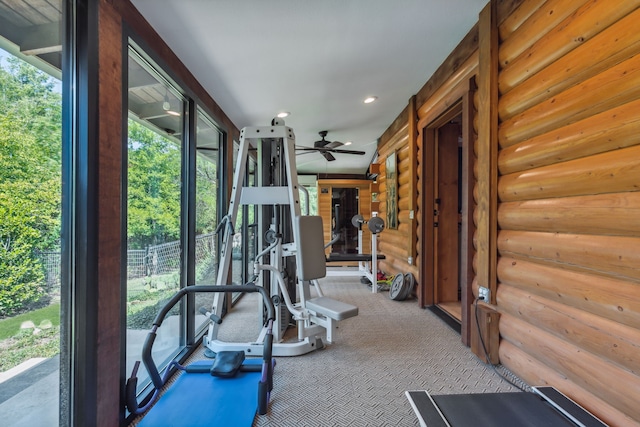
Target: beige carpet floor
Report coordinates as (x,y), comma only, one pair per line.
(360,379)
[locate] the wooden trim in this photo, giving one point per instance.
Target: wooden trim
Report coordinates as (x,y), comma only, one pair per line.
(427,250)
(487,150)
(486,332)
(109,178)
(413,183)
(468,208)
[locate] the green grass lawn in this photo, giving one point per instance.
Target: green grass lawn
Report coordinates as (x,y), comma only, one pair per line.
(11,326)
(37,333)
(40,336)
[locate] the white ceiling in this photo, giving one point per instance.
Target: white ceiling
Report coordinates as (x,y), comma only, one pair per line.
(317,60)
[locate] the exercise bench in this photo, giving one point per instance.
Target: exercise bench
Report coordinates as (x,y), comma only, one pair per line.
(311,264)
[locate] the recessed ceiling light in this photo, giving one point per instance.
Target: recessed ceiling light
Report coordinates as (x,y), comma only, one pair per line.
(283,114)
(347,143)
(370,99)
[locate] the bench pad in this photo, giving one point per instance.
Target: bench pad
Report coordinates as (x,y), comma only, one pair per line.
(331,308)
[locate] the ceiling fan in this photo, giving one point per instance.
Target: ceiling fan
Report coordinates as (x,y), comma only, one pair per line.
(325,148)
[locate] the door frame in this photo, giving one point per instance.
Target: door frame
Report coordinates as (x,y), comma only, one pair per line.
(458,101)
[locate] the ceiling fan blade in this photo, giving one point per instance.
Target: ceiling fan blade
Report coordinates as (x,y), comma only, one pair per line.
(360,153)
(328,156)
(334,144)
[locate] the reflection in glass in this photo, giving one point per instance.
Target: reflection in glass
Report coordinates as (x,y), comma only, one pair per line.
(154,185)
(208,145)
(30,212)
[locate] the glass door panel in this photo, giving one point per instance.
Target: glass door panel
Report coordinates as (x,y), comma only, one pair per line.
(31,143)
(208,138)
(154,183)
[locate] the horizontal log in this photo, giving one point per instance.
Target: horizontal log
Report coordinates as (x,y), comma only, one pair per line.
(611,214)
(604,338)
(394,262)
(534,372)
(402,148)
(614,87)
(393,238)
(606,131)
(397,142)
(405,177)
(400,122)
(513,20)
(589,20)
(395,265)
(403,207)
(610,256)
(537,25)
(611,172)
(582,291)
(616,44)
(583,368)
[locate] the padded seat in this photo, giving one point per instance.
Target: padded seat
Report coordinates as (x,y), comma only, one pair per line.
(336,310)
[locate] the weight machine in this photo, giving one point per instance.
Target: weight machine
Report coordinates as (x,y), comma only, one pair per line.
(289,262)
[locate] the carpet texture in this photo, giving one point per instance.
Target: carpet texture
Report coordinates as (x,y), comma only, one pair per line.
(360,379)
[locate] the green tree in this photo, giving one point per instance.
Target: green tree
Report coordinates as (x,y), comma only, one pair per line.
(153,188)
(30,180)
(206,196)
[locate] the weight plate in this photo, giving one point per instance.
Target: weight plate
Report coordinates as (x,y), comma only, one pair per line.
(396,287)
(270,236)
(409,283)
(357,221)
(376,224)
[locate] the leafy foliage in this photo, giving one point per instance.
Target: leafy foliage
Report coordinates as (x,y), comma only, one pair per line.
(30,158)
(153,188)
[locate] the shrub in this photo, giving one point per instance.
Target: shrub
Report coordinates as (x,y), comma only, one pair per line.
(21,279)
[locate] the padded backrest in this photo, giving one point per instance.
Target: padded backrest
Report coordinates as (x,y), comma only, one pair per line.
(310,255)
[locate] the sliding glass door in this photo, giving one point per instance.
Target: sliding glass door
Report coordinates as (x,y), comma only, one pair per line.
(154,194)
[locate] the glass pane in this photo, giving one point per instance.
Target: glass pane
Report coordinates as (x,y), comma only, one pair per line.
(208,145)
(30,213)
(154,158)
(344,204)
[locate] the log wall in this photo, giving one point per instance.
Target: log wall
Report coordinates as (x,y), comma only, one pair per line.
(568,235)
(398,245)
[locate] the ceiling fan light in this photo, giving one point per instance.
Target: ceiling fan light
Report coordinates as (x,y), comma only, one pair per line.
(370,99)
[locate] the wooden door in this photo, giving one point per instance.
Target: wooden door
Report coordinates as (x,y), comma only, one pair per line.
(447,209)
